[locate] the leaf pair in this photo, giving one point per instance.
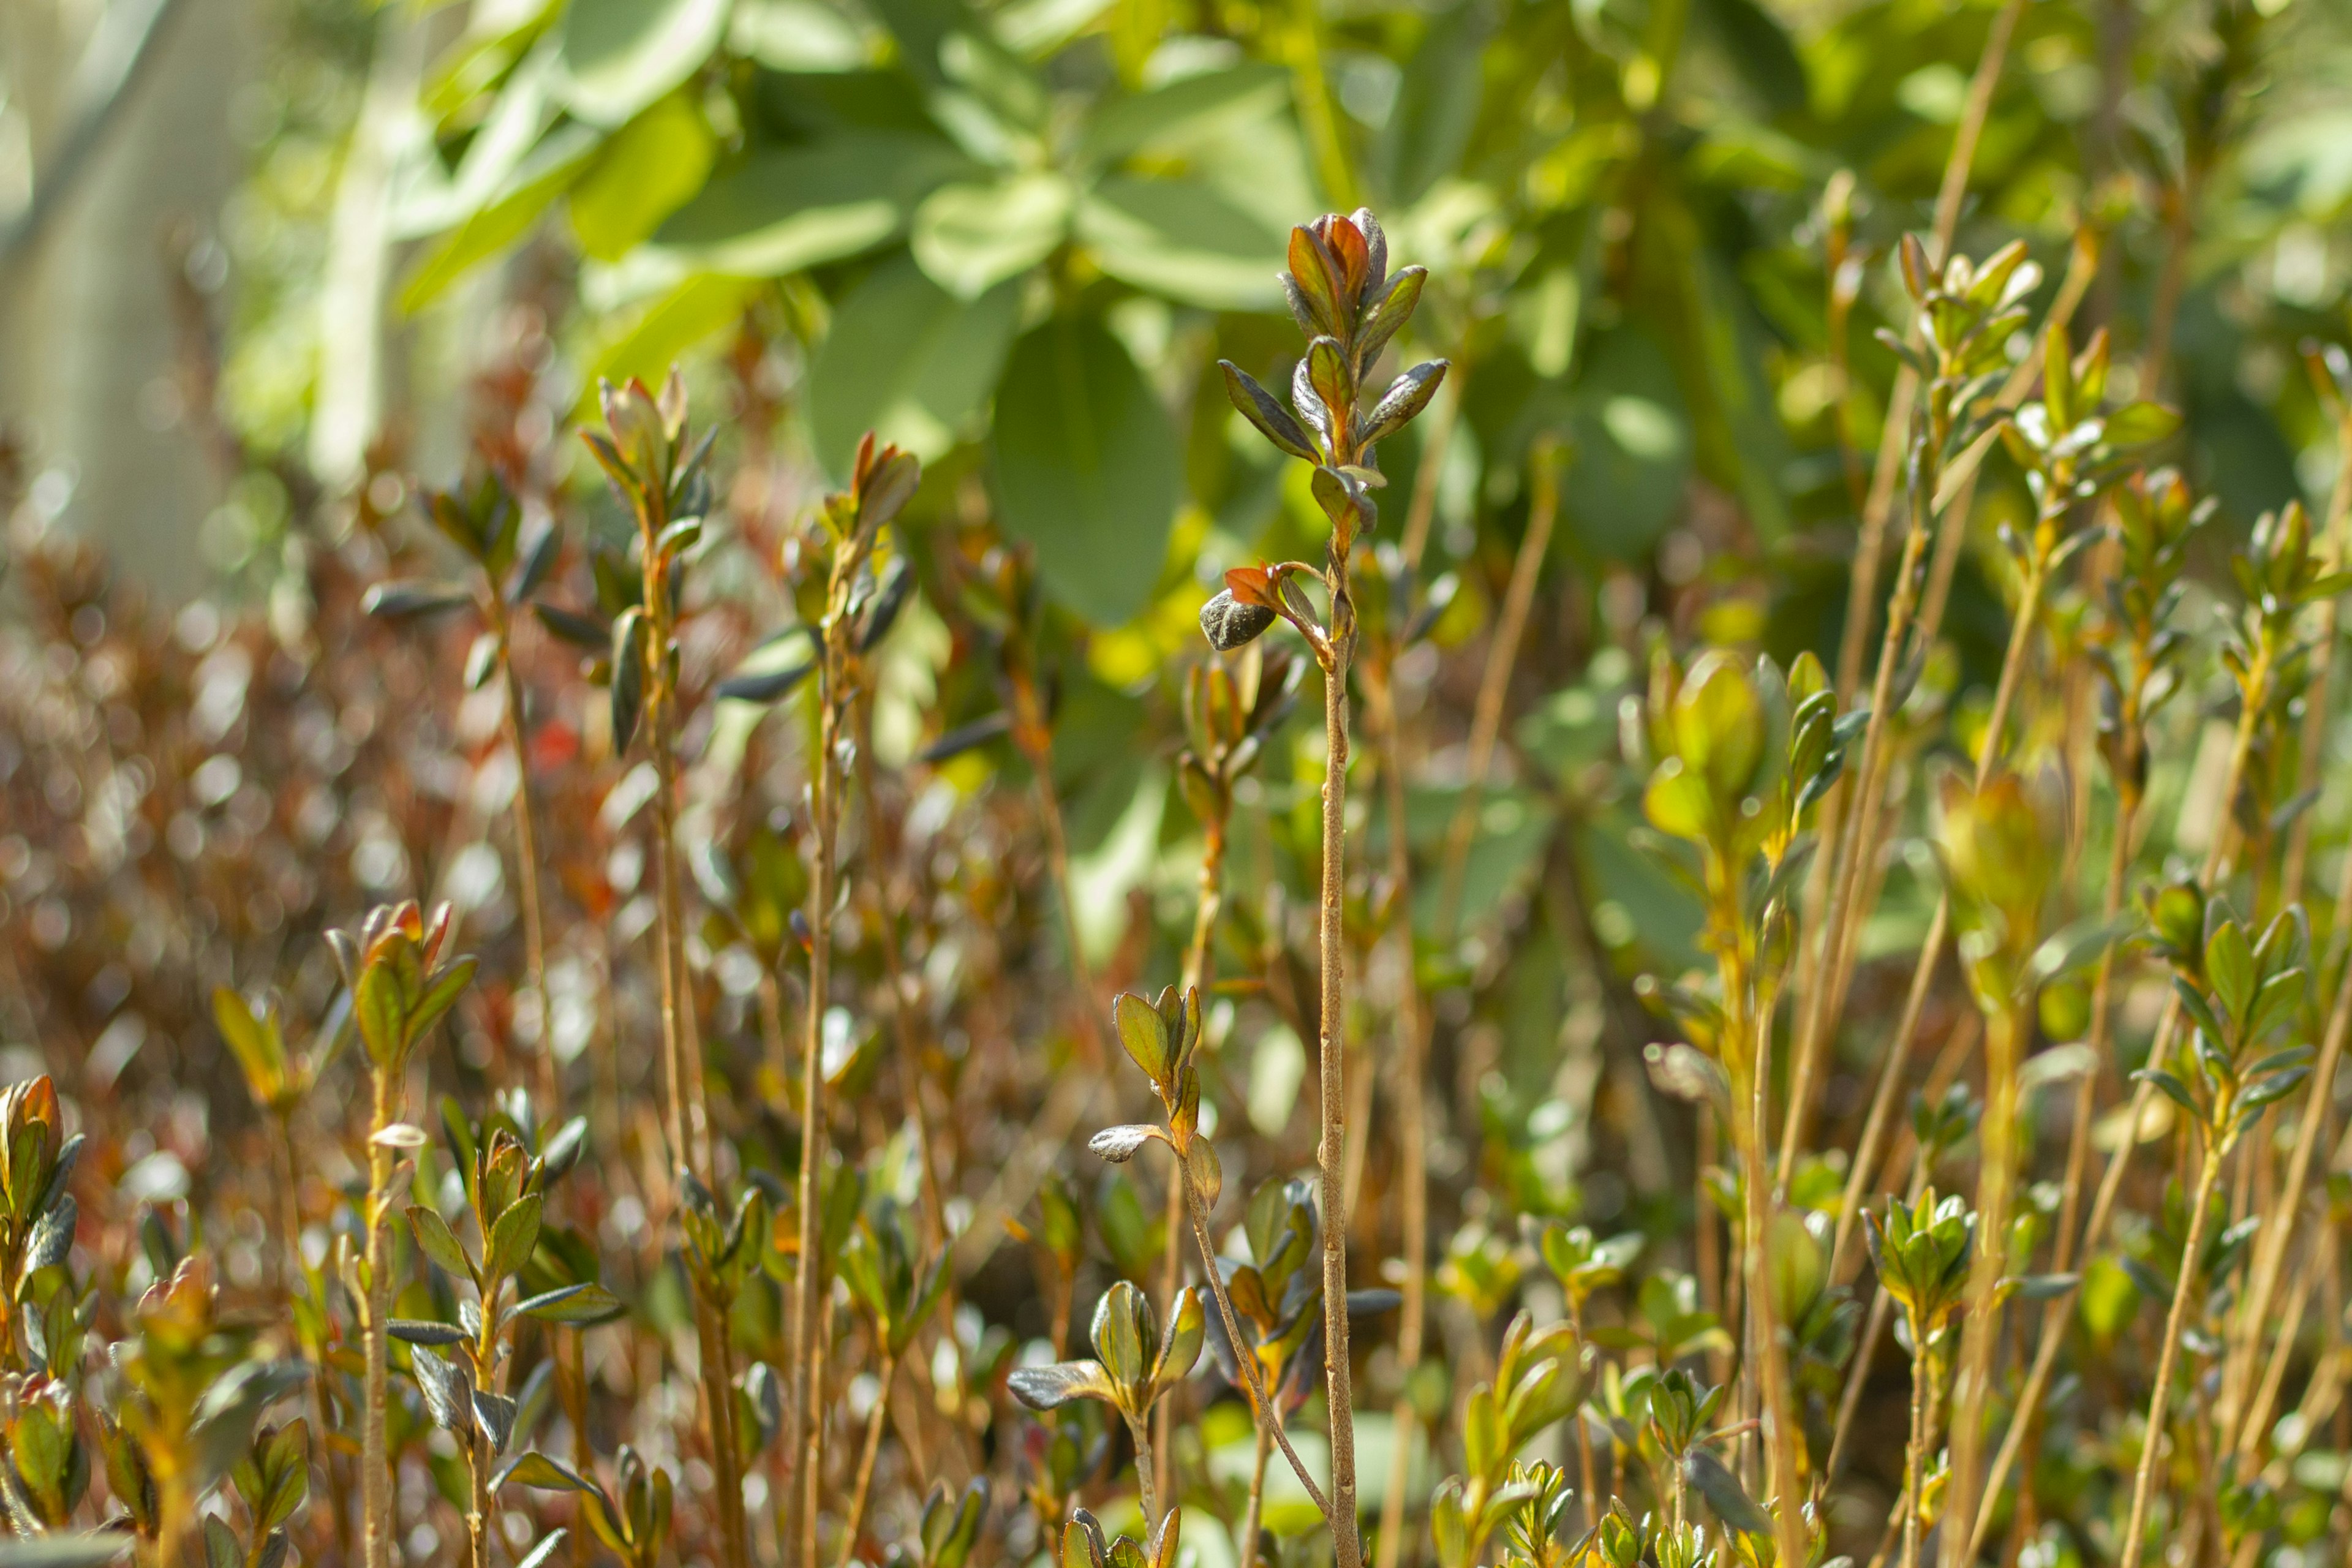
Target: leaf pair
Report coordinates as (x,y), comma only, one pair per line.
(1137,1362)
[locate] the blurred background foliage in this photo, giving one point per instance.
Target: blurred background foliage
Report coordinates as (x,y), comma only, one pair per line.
(273,264)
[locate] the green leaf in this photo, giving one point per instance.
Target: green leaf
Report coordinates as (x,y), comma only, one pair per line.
(439,1241)
(512,1237)
(84,1551)
(1044,1387)
(1725,1494)
(698,309)
(552,167)
(537,1470)
(1184,239)
(784,211)
(1088,468)
(969,237)
(1757,47)
(2138,424)
(616,56)
(1428,129)
(1184,108)
(909,362)
(581,1305)
(646,172)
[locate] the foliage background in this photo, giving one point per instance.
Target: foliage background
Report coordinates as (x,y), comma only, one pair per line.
(1016,239)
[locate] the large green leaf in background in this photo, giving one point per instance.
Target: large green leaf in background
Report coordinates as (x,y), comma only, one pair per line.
(1183,240)
(784,211)
(1186,106)
(970,237)
(908,361)
(618,56)
(646,170)
(1088,468)
(1631,436)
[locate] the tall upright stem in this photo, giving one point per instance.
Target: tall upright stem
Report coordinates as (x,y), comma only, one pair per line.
(1412,1129)
(2152,1445)
(690,1116)
(873,1447)
(527,885)
(1330,1151)
(1211,900)
(375,1460)
(1995,1181)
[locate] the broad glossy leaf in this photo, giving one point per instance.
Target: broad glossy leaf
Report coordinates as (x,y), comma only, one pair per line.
(616,56)
(1088,468)
(1182,107)
(1184,239)
(909,362)
(643,174)
(969,237)
(552,167)
(784,211)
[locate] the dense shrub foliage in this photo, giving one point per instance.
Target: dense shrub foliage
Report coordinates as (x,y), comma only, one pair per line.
(775,966)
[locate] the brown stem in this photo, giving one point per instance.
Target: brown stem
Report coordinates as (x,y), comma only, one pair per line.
(2152,1447)
(858,1494)
(689,1117)
(1211,900)
(1331,1150)
(1254,1510)
(1269,1420)
(1412,1045)
(527,885)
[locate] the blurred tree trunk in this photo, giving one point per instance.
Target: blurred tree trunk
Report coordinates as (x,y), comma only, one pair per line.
(349,407)
(132,133)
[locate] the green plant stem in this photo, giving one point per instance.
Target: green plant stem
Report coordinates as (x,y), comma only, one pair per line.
(1914,1454)
(1824,1003)
(1878,505)
(1139,1433)
(2005,1034)
(805,1412)
(480,1457)
(375,1459)
(2023,1428)
(1330,1150)
(2152,1445)
(812,1475)
(2111,1180)
(1764,1332)
(2278,1227)
(874,1419)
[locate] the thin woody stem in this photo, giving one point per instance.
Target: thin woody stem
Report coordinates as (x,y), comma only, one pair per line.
(874,1419)
(527,881)
(1331,1150)
(1269,1423)
(2176,1320)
